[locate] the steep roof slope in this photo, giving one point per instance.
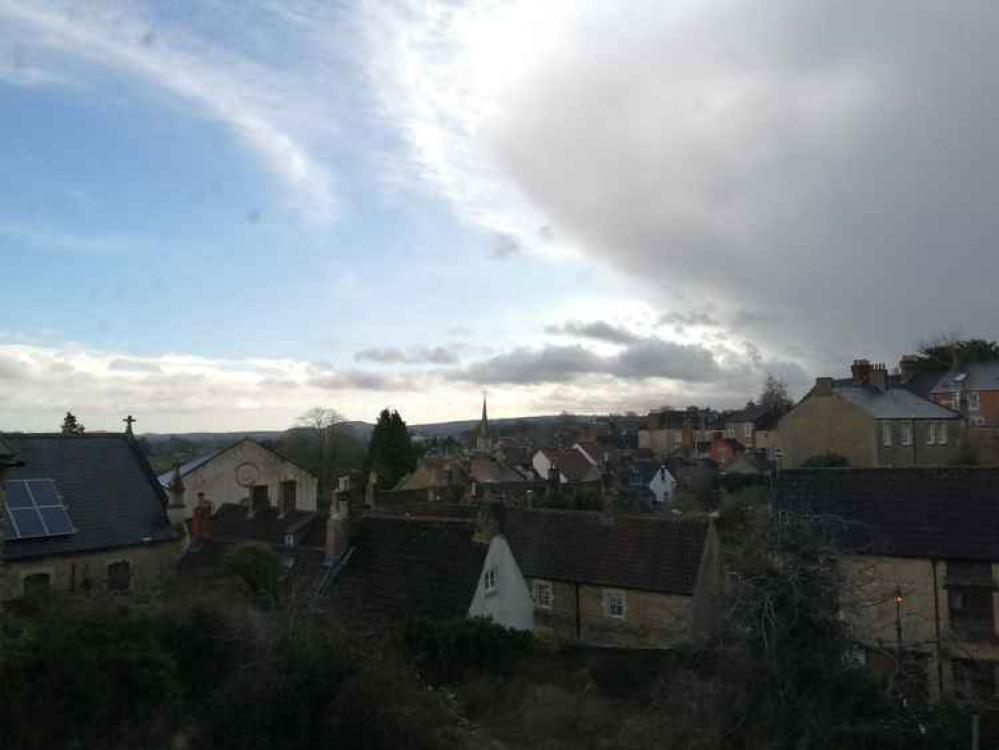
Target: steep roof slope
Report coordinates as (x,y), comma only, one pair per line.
(909,512)
(402,567)
(112,495)
(650,552)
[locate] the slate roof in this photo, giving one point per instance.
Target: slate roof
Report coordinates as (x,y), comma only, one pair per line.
(487,471)
(229,523)
(403,568)
(979,376)
(573,465)
(910,512)
(648,553)
(761,417)
(195,463)
(893,403)
(112,495)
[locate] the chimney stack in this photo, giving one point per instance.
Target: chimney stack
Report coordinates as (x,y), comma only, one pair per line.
(908,367)
(337,529)
(879,376)
(553,476)
(823,387)
(860,370)
(201,521)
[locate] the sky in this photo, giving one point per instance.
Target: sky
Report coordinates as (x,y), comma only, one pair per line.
(216,215)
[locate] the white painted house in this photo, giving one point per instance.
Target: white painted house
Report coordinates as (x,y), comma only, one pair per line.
(244,472)
(502,594)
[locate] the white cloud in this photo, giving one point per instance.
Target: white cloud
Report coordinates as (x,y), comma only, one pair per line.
(260,104)
(805,167)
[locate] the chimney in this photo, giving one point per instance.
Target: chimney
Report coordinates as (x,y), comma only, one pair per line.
(861,372)
(823,387)
(879,376)
(337,529)
(908,366)
(175,495)
(553,476)
(371,491)
(201,521)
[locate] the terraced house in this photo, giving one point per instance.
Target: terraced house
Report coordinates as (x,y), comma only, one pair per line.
(920,549)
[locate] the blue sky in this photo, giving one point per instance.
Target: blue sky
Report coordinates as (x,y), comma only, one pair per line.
(219,214)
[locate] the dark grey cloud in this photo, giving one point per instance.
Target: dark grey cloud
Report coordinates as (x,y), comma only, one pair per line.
(646,358)
(599,330)
(418,355)
(829,167)
(358,380)
(120,364)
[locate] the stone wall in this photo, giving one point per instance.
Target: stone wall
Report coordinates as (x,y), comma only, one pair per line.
(651,619)
(827,424)
(217,478)
(88,572)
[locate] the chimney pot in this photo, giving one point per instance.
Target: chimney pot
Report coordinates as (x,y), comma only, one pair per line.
(861,372)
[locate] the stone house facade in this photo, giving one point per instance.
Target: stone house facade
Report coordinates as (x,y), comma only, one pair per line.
(870,422)
(920,558)
(247,473)
(625,581)
(82,513)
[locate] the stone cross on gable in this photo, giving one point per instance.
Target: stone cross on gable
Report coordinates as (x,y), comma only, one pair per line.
(129,421)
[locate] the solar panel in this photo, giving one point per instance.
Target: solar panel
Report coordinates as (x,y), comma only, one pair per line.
(34,510)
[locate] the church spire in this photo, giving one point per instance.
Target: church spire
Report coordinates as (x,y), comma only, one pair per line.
(484,424)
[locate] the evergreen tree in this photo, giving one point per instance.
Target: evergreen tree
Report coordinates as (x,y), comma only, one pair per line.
(390,452)
(946,352)
(70,426)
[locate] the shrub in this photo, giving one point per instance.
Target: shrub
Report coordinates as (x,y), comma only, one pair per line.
(447,650)
(826,461)
(256,566)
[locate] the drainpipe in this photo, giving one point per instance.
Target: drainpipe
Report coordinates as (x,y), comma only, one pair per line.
(579,626)
(936,628)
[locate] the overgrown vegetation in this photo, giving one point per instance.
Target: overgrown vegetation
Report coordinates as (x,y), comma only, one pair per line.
(826,461)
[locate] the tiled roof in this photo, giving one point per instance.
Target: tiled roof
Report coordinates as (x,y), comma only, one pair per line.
(910,512)
(650,553)
(488,471)
(112,495)
(893,403)
(407,567)
(230,524)
(980,376)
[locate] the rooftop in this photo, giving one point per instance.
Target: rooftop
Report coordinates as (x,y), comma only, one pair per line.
(106,484)
(892,403)
(911,512)
(979,376)
(646,552)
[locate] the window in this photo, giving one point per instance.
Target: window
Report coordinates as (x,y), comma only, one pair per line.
(906,434)
(931,433)
(971,613)
(974,401)
(289,493)
(730,432)
(289,540)
(490,582)
(543,594)
(36,584)
(614,604)
(942,433)
(886,433)
(677,439)
(119,577)
(747,431)
(974,680)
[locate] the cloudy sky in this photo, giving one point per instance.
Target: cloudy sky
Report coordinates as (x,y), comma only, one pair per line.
(215,215)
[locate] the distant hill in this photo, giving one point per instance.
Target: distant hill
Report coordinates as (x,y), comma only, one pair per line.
(443,429)
(360,430)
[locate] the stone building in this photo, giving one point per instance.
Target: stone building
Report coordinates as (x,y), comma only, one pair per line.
(605,580)
(81,513)
(246,473)
(870,420)
(920,552)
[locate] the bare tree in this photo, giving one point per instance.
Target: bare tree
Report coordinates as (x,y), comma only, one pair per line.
(324,422)
(774,395)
